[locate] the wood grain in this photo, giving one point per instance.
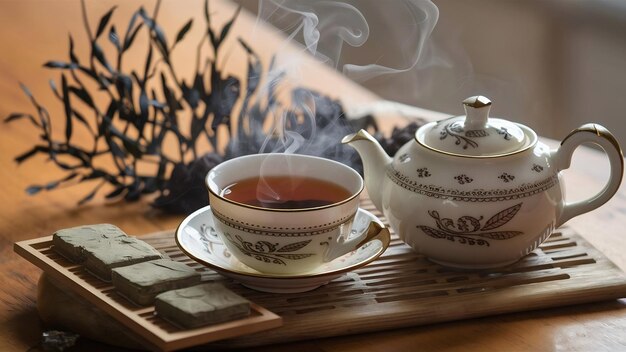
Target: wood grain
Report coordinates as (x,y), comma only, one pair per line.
(36,31)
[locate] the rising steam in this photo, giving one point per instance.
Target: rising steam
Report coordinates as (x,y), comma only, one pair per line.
(324,26)
(324,29)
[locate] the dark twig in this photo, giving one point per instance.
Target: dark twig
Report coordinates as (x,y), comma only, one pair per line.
(138,110)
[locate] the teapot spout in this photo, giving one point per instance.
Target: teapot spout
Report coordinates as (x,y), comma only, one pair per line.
(375,162)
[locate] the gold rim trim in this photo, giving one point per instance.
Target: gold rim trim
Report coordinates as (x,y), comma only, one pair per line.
(530,146)
(295,210)
(601,131)
(347,200)
(375,231)
(477,101)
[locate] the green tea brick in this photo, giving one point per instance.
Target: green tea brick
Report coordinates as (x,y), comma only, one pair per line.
(200,305)
(143,281)
(74,243)
(121,251)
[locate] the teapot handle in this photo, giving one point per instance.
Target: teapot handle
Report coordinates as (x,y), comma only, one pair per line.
(597,134)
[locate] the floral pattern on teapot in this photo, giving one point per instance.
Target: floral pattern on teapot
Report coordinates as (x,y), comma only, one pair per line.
(469,230)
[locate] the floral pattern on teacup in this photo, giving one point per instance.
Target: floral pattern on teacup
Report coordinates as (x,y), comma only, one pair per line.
(269,252)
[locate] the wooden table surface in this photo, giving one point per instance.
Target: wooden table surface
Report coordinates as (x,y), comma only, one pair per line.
(32,32)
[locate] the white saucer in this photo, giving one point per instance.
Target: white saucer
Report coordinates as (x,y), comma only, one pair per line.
(197,237)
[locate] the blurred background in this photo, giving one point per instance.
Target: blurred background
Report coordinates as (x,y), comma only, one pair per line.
(552,65)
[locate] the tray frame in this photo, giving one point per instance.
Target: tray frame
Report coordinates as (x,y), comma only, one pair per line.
(156,332)
(581,275)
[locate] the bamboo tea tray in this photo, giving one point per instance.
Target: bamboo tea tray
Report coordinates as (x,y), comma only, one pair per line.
(153,330)
(401,288)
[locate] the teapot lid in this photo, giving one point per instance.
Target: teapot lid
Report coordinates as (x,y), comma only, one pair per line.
(476,134)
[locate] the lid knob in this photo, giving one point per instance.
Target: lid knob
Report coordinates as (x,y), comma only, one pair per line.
(477,112)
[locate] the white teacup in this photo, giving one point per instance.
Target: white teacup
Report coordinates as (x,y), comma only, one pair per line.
(285,241)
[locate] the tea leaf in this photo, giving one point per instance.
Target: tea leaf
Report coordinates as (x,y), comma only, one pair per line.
(254,76)
(68,109)
(158,33)
(228,24)
(89,196)
(26,90)
(116,192)
(82,119)
(90,73)
(14,116)
(18,116)
(73,57)
(131,38)
(32,190)
(150,185)
(214,40)
(143,108)
(97,52)
(37,149)
(225,97)
(191,96)
(198,85)
(54,184)
(104,21)
(60,64)
(246,47)
(133,194)
(133,147)
(207,17)
(183,31)
(124,85)
(83,95)
(104,81)
(108,115)
(95,174)
(147,65)
(115,38)
(116,150)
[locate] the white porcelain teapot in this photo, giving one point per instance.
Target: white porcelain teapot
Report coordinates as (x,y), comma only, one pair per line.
(479,192)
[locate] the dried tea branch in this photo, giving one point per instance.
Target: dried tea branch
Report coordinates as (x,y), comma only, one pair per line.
(137,110)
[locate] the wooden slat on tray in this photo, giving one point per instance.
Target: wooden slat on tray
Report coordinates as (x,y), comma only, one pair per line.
(402,288)
(159,333)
